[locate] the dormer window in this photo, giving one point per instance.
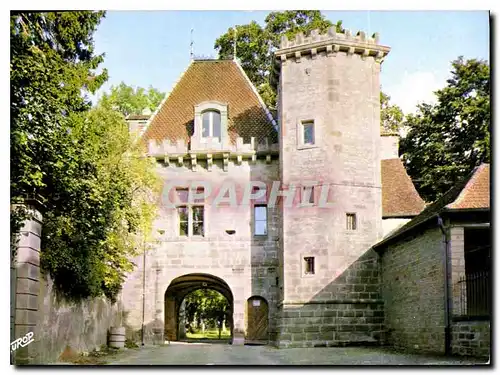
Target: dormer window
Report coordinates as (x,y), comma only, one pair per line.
(211,124)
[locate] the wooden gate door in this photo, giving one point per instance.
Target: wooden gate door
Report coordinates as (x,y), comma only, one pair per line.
(170,319)
(257,319)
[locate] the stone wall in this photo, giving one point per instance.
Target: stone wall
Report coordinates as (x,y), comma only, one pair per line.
(471,338)
(347,310)
(412,280)
(247,263)
(82,326)
(34,308)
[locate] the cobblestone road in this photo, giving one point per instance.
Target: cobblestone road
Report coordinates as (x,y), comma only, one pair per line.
(219,354)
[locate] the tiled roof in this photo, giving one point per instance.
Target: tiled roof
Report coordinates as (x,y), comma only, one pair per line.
(212,80)
(399,196)
(476,193)
(469,194)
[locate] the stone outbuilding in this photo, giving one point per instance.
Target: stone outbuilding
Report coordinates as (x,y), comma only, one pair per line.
(436,274)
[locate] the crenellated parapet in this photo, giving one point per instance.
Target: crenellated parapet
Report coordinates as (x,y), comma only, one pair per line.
(332,43)
(211,149)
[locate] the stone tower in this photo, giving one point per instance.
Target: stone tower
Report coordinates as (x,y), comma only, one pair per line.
(329,114)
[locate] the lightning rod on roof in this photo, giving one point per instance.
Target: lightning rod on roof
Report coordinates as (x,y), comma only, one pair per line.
(191,45)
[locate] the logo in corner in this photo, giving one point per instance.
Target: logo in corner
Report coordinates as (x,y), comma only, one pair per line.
(22,341)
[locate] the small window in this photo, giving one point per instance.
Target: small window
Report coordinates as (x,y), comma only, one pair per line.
(351,221)
(260,220)
(211,124)
(309,265)
(198,220)
(183,213)
(308,132)
(308,194)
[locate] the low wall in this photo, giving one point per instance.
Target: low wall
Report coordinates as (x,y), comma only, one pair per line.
(36,313)
(82,326)
(471,338)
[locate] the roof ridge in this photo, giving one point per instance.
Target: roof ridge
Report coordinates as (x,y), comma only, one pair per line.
(254,89)
(157,110)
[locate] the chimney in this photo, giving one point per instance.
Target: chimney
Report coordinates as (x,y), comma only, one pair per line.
(136,123)
(389,146)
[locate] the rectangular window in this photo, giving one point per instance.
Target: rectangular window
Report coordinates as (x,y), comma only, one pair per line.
(260,220)
(183,213)
(309,265)
(308,132)
(211,124)
(308,194)
(351,221)
(191,218)
(198,220)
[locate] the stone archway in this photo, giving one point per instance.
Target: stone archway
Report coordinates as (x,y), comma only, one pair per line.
(180,287)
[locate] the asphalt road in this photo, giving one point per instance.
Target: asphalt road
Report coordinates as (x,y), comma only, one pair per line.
(179,353)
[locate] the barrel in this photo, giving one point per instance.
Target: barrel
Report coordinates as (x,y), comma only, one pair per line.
(117,337)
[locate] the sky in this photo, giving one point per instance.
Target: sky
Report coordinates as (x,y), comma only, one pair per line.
(152,48)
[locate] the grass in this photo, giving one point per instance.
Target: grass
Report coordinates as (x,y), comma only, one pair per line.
(209,334)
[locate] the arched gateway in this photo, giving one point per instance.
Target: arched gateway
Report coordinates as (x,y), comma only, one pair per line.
(180,287)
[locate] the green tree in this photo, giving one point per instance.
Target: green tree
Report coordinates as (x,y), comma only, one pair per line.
(95,232)
(255,44)
(52,60)
(391,116)
(95,190)
(207,305)
(447,140)
(129,101)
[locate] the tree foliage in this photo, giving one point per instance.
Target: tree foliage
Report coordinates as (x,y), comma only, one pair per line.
(78,163)
(391,116)
(447,140)
(206,305)
(255,44)
(129,101)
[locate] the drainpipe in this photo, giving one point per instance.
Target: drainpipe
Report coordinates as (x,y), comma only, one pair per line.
(447,326)
(143,291)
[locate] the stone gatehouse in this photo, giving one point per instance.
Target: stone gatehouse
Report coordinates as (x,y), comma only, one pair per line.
(309,264)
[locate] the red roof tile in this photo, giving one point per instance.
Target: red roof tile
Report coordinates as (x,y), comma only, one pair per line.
(471,193)
(476,193)
(399,196)
(212,80)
